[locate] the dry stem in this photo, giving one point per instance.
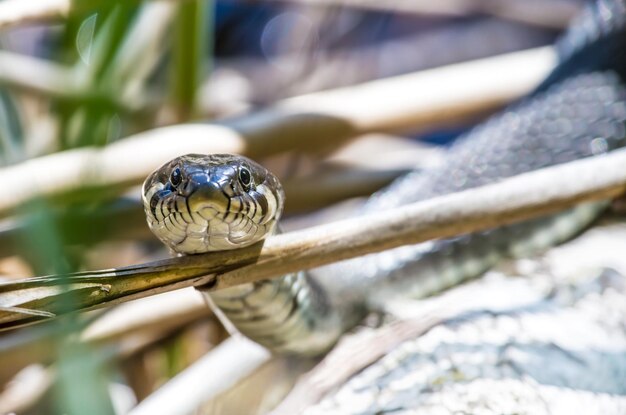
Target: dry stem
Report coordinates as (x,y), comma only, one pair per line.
(522,197)
(416,101)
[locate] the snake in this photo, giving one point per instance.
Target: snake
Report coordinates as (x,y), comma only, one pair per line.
(199,203)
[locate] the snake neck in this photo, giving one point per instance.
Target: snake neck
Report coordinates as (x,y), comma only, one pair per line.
(288,315)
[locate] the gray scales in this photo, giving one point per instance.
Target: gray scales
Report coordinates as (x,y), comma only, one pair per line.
(579,111)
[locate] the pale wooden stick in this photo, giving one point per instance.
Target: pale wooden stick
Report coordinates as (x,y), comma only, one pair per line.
(433,97)
(153,317)
(416,101)
(529,195)
(223,367)
(237,82)
(26,389)
(20,398)
(124,330)
(36,75)
(158,314)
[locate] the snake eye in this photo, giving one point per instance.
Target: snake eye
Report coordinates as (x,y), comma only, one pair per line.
(245,178)
(176,177)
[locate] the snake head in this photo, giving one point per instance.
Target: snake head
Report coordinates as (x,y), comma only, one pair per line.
(200,203)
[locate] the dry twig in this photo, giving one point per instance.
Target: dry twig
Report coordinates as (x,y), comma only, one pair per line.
(311,122)
(214,373)
(522,197)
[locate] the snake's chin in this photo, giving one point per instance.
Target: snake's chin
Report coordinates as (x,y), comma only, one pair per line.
(208,234)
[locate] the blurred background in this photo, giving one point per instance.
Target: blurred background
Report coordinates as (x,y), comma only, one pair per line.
(80,77)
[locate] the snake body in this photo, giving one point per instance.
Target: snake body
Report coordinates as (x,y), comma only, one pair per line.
(197,203)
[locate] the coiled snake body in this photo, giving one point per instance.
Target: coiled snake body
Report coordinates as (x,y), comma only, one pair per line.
(197,203)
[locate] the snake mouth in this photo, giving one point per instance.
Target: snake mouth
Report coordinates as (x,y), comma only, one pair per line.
(204,217)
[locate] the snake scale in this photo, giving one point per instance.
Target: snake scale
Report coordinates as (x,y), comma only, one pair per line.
(198,203)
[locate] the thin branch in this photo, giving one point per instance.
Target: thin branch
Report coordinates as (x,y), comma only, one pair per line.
(529,195)
(231,361)
(440,96)
(313,121)
(36,75)
(339,179)
(356,170)
(158,314)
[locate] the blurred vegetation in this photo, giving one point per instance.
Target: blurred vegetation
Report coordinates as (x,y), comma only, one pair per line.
(125,57)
